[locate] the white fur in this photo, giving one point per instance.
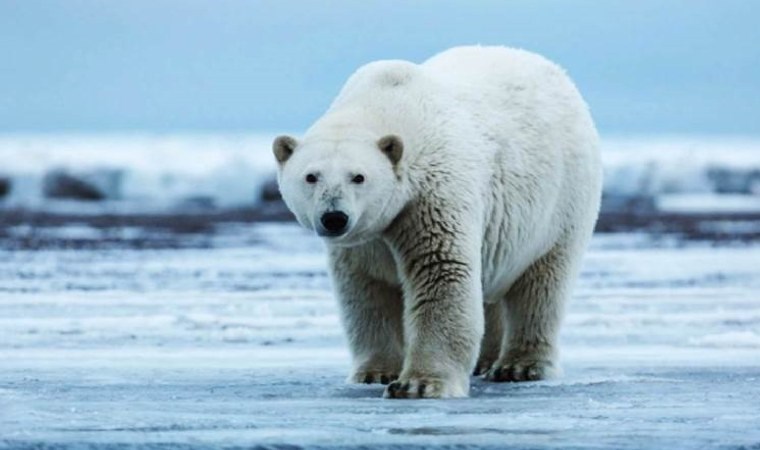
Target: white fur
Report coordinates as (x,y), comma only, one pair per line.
(493,202)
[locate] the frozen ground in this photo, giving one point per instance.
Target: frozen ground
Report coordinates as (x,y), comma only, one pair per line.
(232,340)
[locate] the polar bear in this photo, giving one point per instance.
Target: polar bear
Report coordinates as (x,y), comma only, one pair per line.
(456,198)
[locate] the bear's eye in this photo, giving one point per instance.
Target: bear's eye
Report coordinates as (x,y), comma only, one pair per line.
(311,178)
(358,179)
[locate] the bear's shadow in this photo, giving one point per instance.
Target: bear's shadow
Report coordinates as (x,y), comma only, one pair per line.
(479,389)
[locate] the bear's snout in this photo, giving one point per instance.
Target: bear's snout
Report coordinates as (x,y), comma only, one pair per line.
(334,223)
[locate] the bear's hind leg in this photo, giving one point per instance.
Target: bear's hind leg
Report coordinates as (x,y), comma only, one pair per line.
(490,345)
(534,307)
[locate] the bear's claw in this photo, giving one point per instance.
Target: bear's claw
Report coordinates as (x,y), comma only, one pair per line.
(372,377)
(482,367)
(414,388)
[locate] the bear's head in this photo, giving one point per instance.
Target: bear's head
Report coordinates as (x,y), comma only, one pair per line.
(346,190)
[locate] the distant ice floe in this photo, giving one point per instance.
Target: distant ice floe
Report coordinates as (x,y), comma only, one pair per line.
(135,172)
(731,339)
(682,174)
(167,173)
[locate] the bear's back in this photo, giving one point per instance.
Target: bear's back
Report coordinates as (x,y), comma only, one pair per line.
(490,65)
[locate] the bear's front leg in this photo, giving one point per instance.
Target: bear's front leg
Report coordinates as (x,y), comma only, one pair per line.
(371,314)
(439,262)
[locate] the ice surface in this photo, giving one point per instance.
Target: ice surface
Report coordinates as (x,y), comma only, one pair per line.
(236,342)
(153,172)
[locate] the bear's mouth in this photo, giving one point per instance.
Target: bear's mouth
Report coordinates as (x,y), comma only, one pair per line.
(330,234)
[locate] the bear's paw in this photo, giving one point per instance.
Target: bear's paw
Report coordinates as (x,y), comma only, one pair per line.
(425,387)
(522,369)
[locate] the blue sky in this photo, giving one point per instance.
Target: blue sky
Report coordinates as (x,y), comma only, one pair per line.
(646,66)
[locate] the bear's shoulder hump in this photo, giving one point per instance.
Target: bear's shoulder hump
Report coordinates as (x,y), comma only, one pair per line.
(391,73)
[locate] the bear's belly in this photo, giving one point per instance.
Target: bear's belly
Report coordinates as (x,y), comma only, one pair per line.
(496,283)
(507,252)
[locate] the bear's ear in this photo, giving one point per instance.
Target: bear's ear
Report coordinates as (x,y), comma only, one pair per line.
(392,146)
(283,148)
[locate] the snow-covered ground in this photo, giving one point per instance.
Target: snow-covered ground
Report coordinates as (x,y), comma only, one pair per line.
(156,172)
(233,340)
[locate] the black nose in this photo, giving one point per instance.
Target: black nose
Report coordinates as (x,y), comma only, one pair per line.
(334,221)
